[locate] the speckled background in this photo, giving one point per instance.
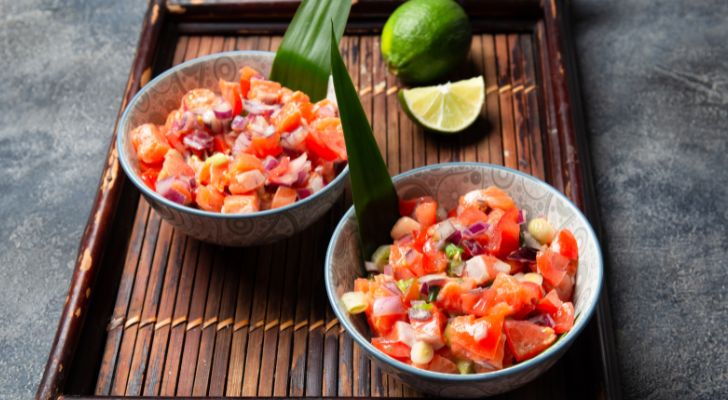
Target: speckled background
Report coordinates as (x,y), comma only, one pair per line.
(655,87)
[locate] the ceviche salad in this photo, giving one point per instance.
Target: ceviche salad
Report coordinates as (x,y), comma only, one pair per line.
(468,291)
(254,146)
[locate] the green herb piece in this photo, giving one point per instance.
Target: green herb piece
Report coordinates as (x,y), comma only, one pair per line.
(375,199)
(454,252)
(455,268)
(405,284)
(303,60)
(432,295)
(421,305)
(381,255)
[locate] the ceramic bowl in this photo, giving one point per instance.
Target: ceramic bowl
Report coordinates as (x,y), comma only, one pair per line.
(446,182)
(163,94)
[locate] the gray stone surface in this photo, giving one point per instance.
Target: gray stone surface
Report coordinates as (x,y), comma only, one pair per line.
(655,86)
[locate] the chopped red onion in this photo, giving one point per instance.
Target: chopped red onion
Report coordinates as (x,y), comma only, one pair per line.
(198,140)
(315,183)
(255,107)
(438,279)
(390,305)
(455,238)
(472,247)
(521,217)
(239,123)
(166,189)
(293,175)
(270,162)
(543,320)
(242,142)
(303,193)
(476,228)
(523,254)
(411,256)
(223,110)
(294,140)
(388,270)
(444,230)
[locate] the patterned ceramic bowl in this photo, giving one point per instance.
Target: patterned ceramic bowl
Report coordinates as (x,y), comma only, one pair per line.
(446,182)
(163,94)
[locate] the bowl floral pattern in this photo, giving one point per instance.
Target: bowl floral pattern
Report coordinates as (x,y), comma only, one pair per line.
(446,182)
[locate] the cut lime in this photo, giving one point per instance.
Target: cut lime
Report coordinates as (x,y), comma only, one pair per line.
(446,108)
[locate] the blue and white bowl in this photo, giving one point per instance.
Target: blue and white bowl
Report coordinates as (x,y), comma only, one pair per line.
(162,95)
(445,183)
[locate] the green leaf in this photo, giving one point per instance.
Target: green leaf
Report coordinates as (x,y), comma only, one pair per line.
(405,284)
(303,60)
(375,199)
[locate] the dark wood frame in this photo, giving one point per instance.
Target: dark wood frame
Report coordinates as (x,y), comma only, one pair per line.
(565,136)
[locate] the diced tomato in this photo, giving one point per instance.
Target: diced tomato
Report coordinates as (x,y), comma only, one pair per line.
(406,257)
(246,74)
(565,244)
(434,261)
(326,139)
(302,101)
(199,99)
(264,90)
(411,293)
(263,146)
(564,318)
(565,288)
(288,118)
(506,236)
(392,348)
(490,197)
(475,339)
(426,213)
(550,303)
(381,326)
(553,266)
(470,215)
(450,297)
(241,204)
(209,199)
(230,91)
(149,143)
(283,197)
(244,162)
(526,339)
(175,165)
(361,285)
(245,182)
(407,207)
(325,109)
(430,330)
(442,364)
(149,177)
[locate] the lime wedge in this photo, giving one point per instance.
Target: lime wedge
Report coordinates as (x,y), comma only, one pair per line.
(446,108)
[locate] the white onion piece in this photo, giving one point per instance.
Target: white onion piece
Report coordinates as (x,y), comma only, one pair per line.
(242,142)
(390,305)
(404,333)
(294,140)
(223,110)
(476,269)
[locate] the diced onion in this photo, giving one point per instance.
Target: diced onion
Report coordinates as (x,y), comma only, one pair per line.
(403,227)
(500,266)
(476,269)
(419,314)
(390,305)
(541,230)
(354,302)
(223,110)
(198,140)
(371,267)
(381,255)
(242,142)
(404,333)
(421,353)
(533,277)
(388,270)
(239,123)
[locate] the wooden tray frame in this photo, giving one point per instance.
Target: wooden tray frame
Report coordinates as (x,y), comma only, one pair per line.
(568,163)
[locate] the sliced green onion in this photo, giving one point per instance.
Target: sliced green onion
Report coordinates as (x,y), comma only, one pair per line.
(454,252)
(381,255)
(405,284)
(421,305)
(375,200)
(303,60)
(354,302)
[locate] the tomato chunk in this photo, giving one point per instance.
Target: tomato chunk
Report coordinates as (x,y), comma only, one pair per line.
(564,318)
(526,339)
(392,348)
(283,197)
(149,143)
(565,244)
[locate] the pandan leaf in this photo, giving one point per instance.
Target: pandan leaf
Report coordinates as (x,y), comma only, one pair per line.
(303,61)
(375,199)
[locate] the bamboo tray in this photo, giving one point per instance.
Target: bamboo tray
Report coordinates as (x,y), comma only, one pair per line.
(151,312)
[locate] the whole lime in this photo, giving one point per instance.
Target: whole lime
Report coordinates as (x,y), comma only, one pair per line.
(423,40)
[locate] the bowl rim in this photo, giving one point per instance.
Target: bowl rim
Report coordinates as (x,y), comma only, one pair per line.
(141,186)
(561,344)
